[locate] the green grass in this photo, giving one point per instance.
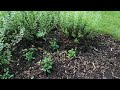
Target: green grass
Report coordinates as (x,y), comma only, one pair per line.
(110,23)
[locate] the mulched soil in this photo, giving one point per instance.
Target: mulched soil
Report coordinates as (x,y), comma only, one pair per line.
(101,61)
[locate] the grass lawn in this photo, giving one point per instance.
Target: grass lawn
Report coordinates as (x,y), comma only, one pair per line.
(110,23)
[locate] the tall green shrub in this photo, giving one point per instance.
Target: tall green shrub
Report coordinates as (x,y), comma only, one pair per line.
(72,23)
(46,22)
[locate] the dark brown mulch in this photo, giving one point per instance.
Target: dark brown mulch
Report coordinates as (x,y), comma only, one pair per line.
(102,61)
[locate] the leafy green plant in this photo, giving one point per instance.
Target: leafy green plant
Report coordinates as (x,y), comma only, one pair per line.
(12,25)
(6,74)
(76,40)
(46,64)
(40,34)
(75,24)
(5,57)
(53,44)
(29,54)
(71,53)
(46,22)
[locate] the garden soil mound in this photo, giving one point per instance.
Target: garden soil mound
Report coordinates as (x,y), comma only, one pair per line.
(102,61)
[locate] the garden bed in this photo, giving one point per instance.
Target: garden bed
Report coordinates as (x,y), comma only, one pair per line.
(99,61)
(59,45)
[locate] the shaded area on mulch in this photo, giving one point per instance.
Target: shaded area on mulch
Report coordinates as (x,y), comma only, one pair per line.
(102,61)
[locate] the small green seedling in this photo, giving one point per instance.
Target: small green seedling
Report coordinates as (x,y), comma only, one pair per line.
(71,53)
(46,65)
(29,54)
(76,40)
(53,45)
(40,34)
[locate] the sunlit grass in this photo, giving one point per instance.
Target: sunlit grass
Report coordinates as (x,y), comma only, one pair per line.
(110,23)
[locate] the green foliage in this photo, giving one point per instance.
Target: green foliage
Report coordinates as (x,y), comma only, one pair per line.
(40,34)
(46,64)
(2,33)
(77,23)
(29,54)
(30,24)
(110,23)
(17,25)
(12,25)
(76,40)
(6,74)
(53,44)
(46,22)
(26,24)
(71,53)
(5,57)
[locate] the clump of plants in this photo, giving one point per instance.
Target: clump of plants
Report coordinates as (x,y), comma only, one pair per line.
(29,54)
(79,24)
(6,74)
(46,64)
(45,22)
(53,44)
(5,57)
(71,53)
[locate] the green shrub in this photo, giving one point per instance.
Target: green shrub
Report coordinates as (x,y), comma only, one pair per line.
(71,53)
(5,57)
(46,22)
(53,44)
(78,23)
(76,40)
(26,24)
(12,25)
(6,74)
(46,64)
(29,54)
